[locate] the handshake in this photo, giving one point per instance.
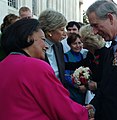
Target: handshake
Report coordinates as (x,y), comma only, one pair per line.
(91,111)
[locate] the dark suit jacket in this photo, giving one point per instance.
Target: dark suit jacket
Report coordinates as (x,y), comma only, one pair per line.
(105,100)
(59,54)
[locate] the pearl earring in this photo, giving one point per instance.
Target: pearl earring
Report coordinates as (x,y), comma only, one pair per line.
(50,34)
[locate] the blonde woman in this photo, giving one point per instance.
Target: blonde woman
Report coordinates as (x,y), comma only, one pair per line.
(96,47)
(91,41)
(53,24)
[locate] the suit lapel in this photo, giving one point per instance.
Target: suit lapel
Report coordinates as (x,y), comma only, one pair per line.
(46,59)
(60,61)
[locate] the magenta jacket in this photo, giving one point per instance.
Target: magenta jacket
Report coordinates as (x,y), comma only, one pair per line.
(29,90)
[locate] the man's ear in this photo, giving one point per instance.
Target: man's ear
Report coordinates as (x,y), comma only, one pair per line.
(110,16)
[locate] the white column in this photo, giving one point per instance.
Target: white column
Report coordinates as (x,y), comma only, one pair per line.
(3,10)
(77,10)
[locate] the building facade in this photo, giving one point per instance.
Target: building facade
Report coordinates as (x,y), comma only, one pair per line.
(72,9)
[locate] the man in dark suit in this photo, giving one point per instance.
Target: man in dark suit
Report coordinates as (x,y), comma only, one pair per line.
(102,16)
(53,24)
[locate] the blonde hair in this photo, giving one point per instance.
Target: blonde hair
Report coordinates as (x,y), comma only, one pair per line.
(51,20)
(89,39)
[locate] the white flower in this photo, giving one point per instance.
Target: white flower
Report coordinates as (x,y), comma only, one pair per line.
(86,75)
(81,72)
(77,81)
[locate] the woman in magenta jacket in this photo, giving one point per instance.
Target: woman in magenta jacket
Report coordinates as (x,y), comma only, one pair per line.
(29,89)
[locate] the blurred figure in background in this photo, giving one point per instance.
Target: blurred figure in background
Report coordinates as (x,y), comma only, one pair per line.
(8,20)
(25,12)
(72,27)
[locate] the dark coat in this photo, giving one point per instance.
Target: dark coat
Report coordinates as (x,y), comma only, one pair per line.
(59,54)
(105,100)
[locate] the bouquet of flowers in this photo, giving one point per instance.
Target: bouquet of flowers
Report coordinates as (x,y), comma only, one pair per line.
(82,76)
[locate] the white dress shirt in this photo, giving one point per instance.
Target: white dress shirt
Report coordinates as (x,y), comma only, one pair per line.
(51,57)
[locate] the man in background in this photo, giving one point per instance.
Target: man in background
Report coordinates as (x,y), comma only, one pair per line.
(72,27)
(25,12)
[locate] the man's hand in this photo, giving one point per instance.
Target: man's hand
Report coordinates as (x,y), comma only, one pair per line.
(91,111)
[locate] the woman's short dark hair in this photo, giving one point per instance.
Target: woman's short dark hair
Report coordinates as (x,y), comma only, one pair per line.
(15,37)
(72,38)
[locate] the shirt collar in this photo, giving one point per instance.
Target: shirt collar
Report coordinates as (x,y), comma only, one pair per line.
(48,42)
(116,38)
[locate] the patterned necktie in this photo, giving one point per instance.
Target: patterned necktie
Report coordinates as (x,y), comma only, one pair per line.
(114,47)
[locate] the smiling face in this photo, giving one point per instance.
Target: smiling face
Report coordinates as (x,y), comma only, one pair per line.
(38,48)
(77,45)
(105,27)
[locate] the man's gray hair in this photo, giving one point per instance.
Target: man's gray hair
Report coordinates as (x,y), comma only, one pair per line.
(102,8)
